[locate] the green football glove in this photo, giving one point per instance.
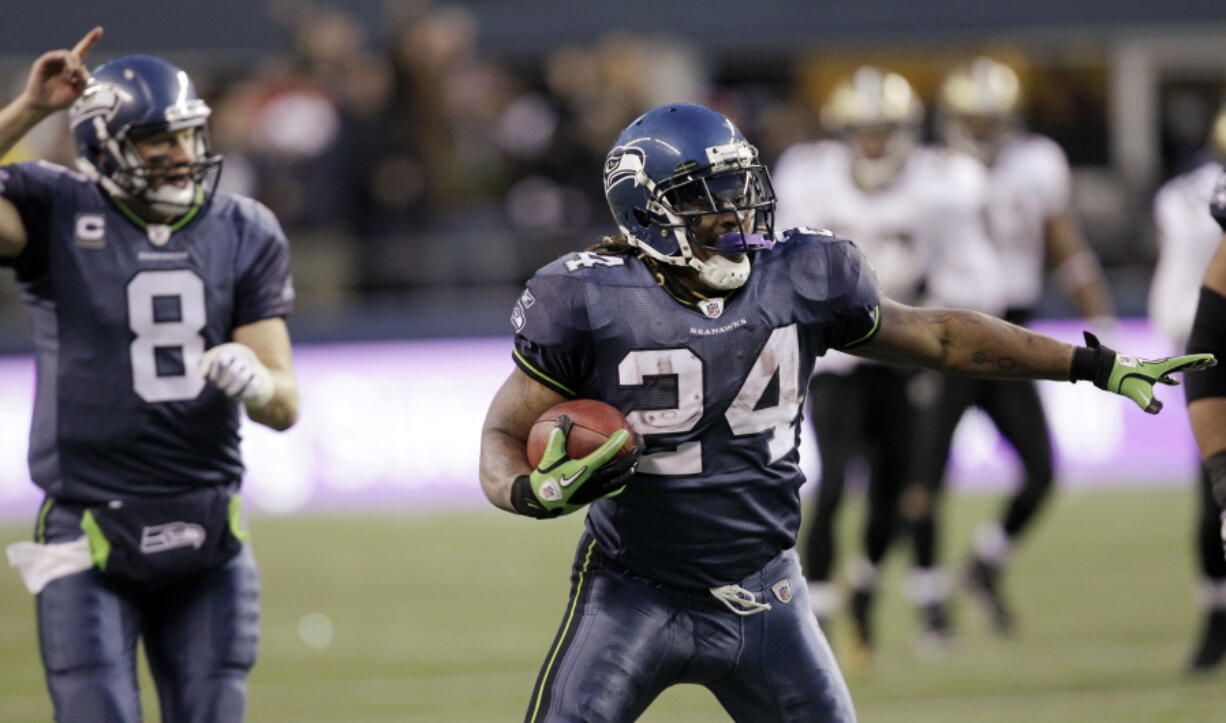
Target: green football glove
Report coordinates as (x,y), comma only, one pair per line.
(1131,376)
(560,485)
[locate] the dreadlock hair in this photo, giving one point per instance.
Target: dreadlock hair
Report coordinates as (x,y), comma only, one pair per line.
(616,246)
(619,246)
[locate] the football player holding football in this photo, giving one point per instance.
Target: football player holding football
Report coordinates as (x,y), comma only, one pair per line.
(157,307)
(702,324)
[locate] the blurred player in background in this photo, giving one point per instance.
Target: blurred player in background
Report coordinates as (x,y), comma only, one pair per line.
(701,324)
(917,213)
(1033,230)
(132,268)
(1187,239)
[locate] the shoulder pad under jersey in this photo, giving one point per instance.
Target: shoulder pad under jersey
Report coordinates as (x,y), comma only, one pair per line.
(553,307)
(823,266)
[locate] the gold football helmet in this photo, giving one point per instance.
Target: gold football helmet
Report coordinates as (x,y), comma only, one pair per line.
(977,106)
(878,114)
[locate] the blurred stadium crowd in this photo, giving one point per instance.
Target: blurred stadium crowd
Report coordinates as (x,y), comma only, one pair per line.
(410,165)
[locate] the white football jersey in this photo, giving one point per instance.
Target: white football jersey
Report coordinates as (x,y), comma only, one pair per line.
(1187,238)
(1029,182)
(923,232)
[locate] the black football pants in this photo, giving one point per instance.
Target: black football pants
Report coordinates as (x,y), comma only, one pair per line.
(1016,410)
(866,414)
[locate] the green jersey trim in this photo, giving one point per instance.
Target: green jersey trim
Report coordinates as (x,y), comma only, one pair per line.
(541,376)
(236,519)
(144,225)
(871,332)
(40,529)
(562,634)
(99,546)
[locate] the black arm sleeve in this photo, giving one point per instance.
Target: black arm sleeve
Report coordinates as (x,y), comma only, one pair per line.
(1208,335)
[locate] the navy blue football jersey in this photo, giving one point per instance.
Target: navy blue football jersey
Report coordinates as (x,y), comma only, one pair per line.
(122,312)
(715,390)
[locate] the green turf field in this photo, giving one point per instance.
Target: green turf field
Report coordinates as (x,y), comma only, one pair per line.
(445,616)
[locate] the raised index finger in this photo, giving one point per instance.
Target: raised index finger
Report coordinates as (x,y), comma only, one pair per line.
(85,44)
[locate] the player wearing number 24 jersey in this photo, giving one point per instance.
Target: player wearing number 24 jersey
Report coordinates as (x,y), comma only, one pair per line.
(714,393)
(157,308)
(701,324)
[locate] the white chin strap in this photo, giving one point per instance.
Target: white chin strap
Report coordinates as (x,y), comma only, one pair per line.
(718,272)
(722,273)
(171,200)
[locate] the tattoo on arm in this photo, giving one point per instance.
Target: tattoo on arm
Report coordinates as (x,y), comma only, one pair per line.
(1003,363)
(957,341)
(991,347)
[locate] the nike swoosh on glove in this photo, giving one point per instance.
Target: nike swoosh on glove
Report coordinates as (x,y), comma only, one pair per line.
(560,485)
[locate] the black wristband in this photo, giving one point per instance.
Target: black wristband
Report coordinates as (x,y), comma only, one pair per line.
(1215,467)
(1085,361)
(1092,361)
(525,502)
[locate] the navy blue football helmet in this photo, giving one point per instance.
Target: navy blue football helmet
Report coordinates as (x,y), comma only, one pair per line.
(676,163)
(134,96)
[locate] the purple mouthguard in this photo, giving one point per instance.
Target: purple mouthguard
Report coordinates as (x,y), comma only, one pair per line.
(735,242)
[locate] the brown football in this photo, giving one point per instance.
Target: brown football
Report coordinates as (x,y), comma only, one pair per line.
(592,423)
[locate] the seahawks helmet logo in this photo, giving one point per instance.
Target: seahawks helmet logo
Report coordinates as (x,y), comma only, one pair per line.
(98,100)
(624,163)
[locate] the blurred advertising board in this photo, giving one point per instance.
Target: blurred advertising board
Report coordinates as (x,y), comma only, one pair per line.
(397,424)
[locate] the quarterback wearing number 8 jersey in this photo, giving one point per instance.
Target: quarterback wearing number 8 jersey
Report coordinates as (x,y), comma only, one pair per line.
(701,324)
(157,308)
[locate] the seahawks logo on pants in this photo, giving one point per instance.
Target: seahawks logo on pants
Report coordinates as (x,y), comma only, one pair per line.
(171,536)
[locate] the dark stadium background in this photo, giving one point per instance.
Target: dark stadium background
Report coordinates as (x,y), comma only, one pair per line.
(425,158)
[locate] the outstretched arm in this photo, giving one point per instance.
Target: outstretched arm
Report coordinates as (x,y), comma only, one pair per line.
(965,342)
(974,344)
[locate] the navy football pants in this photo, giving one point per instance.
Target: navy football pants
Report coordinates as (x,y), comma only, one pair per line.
(200,637)
(623,640)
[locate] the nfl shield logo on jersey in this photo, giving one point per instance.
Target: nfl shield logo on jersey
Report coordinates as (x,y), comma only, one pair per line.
(159,233)
(712,308)
(783,591)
